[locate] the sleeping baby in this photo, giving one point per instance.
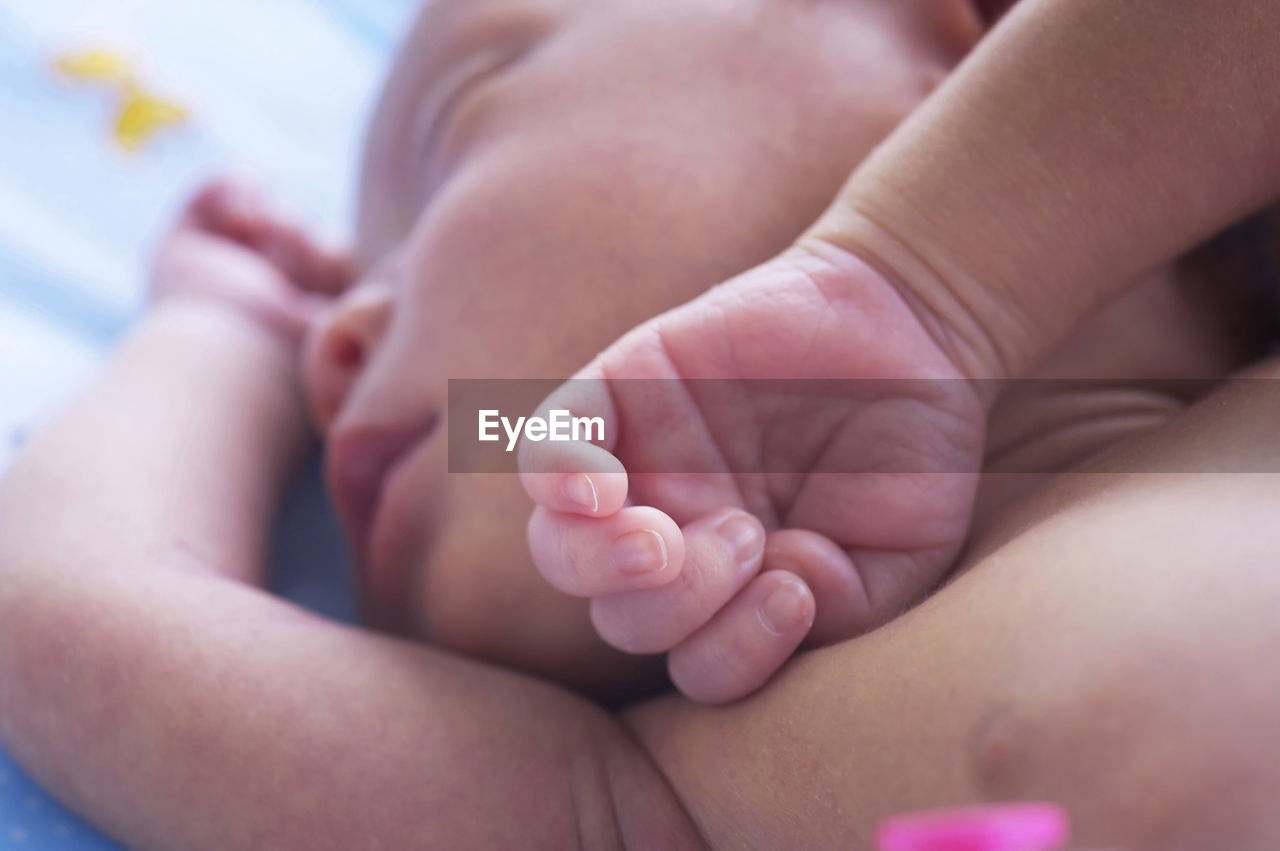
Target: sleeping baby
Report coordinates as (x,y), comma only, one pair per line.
(540,177)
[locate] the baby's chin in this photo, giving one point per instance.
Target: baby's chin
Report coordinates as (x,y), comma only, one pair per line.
(450,566)
(395,558)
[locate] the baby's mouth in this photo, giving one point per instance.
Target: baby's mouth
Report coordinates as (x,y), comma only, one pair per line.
(359,462)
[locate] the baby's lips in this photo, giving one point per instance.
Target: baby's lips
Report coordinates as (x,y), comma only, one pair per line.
(359,462)
(996,827)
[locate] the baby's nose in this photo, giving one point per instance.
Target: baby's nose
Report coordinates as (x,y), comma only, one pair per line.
(339,346)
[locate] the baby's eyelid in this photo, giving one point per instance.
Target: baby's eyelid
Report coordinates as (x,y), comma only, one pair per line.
(498,52)
(448,90)
(443,100)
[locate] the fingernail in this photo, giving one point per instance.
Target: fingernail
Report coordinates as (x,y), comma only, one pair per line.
(640,552)
(784,609)
(581,491)
(743,536)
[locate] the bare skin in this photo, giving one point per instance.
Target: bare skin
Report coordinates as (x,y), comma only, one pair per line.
(1058,141)
(244,722)
(147,680)
(457,232)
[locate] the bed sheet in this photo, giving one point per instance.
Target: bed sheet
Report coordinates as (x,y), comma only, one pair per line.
(279,89)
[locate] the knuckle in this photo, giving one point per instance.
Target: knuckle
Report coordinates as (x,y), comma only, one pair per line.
(616,628)
(726,664)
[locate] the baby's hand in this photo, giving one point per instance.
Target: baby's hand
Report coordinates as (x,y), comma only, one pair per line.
(865,478)
(228,245)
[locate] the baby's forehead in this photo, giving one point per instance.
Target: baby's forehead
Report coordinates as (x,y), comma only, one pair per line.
(763,42)
(799,89)
(443,22)
(443,16)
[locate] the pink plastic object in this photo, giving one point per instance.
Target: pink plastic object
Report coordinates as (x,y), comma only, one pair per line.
(998,827)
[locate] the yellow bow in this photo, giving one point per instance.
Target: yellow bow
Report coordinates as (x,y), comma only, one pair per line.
(140,115)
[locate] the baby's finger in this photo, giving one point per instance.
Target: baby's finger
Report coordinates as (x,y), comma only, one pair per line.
(843,609)
(633,549)
(856,590)
(236,209)
(579,476)
(746,642)
(722,554)
(580,479)
(314,267)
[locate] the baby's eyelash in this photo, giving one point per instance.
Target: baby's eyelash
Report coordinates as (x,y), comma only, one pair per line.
(456,87)
(451,89)
(488,51)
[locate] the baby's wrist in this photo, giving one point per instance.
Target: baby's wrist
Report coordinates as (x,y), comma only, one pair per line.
(255,355)
(979,339)
(882,288)
(274,322)
(250,372)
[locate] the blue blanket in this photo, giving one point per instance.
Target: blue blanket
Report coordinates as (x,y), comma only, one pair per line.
(280,89)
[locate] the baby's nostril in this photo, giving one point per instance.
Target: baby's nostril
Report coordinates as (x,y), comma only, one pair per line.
(347,352)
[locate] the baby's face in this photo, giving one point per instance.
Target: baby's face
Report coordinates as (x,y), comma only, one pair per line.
(584,93)
(541,175)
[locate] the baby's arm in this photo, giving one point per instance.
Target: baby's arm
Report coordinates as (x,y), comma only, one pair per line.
(1083,143)
(148,683)
(1102,648)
